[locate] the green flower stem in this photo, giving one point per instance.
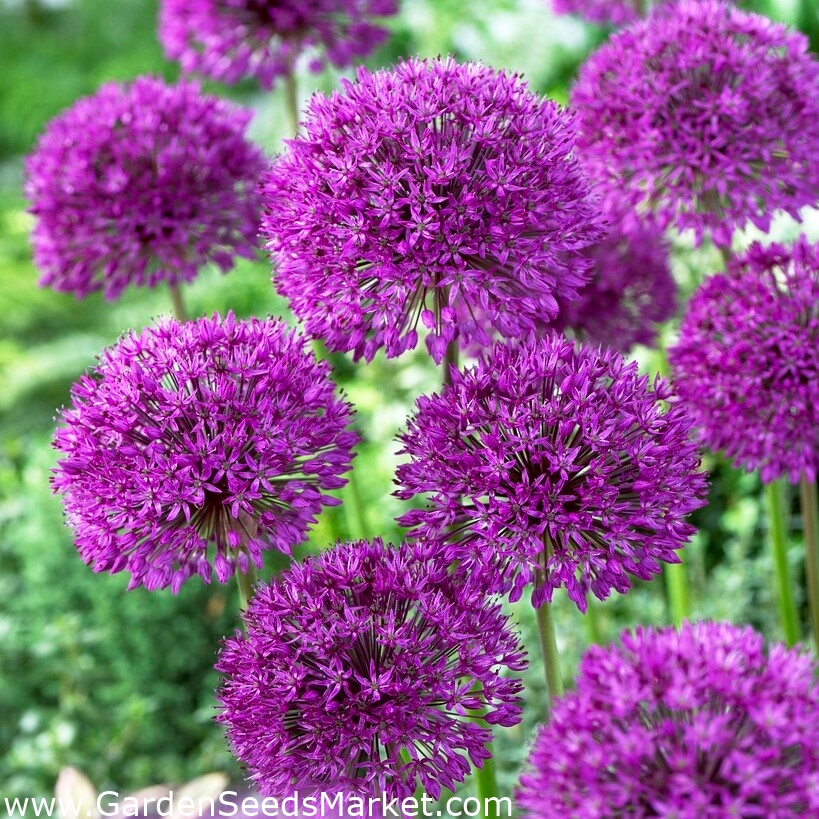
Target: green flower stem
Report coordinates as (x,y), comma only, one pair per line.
(450,359)
(179,312)
(592,623)
(486,785)
(679,601)
(775,496)
(548,647)
(353,507)
(245,582)
(291,95)
(810,521)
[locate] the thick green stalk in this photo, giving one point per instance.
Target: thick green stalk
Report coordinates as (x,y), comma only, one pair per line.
(354,510)
(179,312)
(548,647)
(810,524)
(292,101)
(679,601)
(486,785)
(450,360)
(245,582)
(775,496)
(592,622)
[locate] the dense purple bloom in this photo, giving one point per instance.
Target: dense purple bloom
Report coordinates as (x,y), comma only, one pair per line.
(700,724)
(630,292)
(431,192)
(196,446)
(364,670)
(555,463)
(142,183)
(747,361)
(704,114)
(229,40)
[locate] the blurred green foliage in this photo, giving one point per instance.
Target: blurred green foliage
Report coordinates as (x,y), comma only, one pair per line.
(121,684)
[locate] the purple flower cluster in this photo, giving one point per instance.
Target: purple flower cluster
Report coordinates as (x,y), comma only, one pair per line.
(554,463)
(615,12)
(631,290)
(700,724)
(229,40)
(196,446)
(433,194)
(364,669)
(747,362)
(704,114)
(139,184)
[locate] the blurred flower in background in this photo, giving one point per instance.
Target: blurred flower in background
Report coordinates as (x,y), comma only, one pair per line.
(230,40)
(142,183)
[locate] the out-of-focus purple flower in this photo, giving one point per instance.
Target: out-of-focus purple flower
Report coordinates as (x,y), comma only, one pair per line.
(365,669)
(630,292)
(614,12)
(139,184)
(747,360)
(555,463)
(705,115)
(433,194)
(196,446)
(700,724)
(230,40)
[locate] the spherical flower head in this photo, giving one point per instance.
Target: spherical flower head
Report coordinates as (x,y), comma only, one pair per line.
(139,184)
(433,194)
(556,463)
(196,446)
(700,724)
(631,290)
(363,670)
(747,360)
(704,114)
(230,40)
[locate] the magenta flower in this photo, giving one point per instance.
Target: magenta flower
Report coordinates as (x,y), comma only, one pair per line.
(556,464)
(432,194)
(631,290)
(139,184)
(229,40)
(704,114)
(614,12)
(196,446)
(700,724)
(747,361)
(365,669)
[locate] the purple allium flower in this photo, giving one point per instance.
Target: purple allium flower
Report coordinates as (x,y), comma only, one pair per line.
(365,669)
(229,40)
(630,292)
(432,192)
(139,184)
(747,361)
(700,724)
(615,12)
(198,445)
(706,115)
(555,463)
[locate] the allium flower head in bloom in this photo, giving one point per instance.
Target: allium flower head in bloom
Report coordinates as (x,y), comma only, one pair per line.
(704,114)
(230,40)
(700,724)
(196,446)
(363,669)
(434,194)
(747,361)
(139,184)
(554,463)
(630,292)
